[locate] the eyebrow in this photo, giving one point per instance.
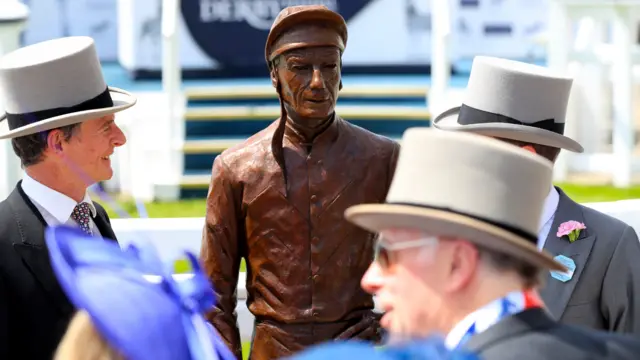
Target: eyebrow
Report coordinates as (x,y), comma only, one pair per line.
(108,122)
(299,53)
(294,57)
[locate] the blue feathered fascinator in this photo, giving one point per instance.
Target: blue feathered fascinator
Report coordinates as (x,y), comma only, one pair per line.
(133,299)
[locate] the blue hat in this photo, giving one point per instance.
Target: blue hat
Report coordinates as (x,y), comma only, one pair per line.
(141,319)
(432,348)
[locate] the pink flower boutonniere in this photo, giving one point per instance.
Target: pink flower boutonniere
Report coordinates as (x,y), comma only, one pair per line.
(571,229)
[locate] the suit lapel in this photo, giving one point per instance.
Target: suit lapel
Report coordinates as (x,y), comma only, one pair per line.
(556,293)
(515,325)
(103,224)
(33,250)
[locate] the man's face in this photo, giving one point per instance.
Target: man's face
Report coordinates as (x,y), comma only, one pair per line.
(310,80)
(88,151)
(409,282)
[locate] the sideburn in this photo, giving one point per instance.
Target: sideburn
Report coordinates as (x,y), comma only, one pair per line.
(277,146)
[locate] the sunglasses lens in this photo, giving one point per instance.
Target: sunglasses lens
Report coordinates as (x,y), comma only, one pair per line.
(382,256)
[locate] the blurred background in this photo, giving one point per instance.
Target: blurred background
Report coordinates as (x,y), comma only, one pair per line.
(199,72)
(198,69)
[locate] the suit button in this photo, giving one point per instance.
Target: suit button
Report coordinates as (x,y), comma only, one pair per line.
(314,198)
(315,277)
(315,239)
(315,314)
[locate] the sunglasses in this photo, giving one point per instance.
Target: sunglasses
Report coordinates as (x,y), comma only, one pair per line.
(384,250)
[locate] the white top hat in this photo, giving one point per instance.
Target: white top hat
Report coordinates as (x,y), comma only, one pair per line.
(53,84)
(513,100)
(469,186)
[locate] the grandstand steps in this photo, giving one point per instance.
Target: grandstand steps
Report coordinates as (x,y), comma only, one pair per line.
(218,118)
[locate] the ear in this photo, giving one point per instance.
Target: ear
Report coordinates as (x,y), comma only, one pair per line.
(55,141)
(464,262)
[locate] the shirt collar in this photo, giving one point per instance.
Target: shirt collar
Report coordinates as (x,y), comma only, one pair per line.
(550,206)
(60,206)
(484,318)
(454,337)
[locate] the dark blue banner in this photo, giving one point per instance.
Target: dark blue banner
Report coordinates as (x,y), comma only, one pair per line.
(233,32)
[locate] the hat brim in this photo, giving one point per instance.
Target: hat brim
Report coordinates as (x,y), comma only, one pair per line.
(122,100)
(303,18)
(377,217)
(449,121)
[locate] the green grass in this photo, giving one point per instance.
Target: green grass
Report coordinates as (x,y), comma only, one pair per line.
(196,208)
(600,193)
(246,346)
(182,266)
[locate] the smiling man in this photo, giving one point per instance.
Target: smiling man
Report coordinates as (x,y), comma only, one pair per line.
(60,119)
(278,199)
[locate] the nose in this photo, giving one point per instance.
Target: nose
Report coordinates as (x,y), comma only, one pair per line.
(119,138)
(372,279)
(317,82)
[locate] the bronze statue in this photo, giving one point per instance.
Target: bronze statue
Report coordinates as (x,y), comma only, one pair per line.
(278,201)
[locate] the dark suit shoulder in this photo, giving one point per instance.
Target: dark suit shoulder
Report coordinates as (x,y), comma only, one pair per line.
(100,210)
(7,222)
(610,231)
(564,342)
(603,220)
(625,344)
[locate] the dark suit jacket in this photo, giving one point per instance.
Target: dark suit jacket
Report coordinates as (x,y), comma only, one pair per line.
(604,292)
(534,335)
(34,311)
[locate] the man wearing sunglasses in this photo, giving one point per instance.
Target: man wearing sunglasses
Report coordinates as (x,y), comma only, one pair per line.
(463,263)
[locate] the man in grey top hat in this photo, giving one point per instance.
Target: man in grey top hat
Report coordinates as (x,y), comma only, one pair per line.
(525,105)
(60,119)
(462,263)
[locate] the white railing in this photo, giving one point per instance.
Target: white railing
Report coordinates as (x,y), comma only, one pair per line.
(441,56)
(167,177)
(13,19)
(175,235)
(597,65)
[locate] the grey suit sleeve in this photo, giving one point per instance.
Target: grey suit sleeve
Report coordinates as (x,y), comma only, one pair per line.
(4,320)
(620,298)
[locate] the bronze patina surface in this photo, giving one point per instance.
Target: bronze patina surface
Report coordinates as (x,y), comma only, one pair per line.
(278,200)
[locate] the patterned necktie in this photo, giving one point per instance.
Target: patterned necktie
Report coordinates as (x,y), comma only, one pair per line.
(82,215)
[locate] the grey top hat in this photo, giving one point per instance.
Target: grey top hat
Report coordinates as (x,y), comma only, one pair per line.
(53,84)
(465,185)
(513,100)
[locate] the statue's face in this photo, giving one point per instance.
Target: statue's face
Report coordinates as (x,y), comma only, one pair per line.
(310,79)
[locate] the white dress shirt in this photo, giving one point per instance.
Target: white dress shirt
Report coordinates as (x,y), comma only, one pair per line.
(548,214)
(484,318)
(55,207)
